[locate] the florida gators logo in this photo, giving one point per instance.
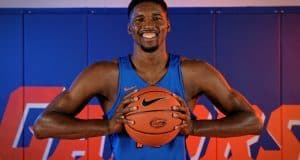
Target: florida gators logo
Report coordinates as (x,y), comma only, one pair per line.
(279,141)
(158,123)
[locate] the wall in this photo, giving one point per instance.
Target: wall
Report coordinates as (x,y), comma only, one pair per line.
(124,3)
(257,50)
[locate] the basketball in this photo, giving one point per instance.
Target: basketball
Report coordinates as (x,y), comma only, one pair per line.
(154,121)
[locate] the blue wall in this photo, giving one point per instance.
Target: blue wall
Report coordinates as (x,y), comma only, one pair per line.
(256,49)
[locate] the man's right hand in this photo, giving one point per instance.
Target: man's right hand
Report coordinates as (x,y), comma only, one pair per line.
(115,124)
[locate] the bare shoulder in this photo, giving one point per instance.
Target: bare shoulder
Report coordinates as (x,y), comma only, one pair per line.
(196,67)
(106,68)
(100,70)
(199,76)
(100,78)
(93,81)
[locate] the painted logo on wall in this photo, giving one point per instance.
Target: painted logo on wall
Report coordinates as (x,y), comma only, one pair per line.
(279,140)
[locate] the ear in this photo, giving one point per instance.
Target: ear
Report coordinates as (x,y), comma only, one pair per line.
(169,26)
(129,28)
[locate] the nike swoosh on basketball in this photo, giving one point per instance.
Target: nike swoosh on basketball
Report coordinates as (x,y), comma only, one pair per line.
(146,103)
(129,88)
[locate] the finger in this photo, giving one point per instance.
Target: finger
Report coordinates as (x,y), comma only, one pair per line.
(130,94)
(128,109)
(122,117)
(181,100)
(181,116)
(122,105)
(128,98)
(125,102)
(179,109)
(180,127)
(125,121)
(123,111)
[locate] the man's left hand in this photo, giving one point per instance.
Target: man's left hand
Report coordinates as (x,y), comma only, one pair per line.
(183,113)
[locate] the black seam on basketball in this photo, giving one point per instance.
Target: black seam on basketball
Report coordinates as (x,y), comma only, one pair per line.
(129,114)
(150,132)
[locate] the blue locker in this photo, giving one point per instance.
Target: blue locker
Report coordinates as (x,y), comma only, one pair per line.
(55,48)
(290,58)
(11,56)
(248,56)
(192,35)
(107,35)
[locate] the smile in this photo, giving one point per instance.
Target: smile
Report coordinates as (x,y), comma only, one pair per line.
(149,35)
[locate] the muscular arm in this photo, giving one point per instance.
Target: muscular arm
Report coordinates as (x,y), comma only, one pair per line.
(240,119)
(59,121)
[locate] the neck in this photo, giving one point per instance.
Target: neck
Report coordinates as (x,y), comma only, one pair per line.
(160,53)
(150,66)
(156,57)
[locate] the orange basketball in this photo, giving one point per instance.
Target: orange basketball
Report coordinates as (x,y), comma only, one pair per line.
(154,121)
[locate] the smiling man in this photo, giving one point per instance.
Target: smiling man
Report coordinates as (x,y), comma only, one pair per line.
(114,82)
(148,29)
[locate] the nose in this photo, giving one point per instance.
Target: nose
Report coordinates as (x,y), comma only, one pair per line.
(149,24)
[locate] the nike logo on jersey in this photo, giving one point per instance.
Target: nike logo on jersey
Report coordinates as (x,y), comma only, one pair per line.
(146,103)
(126,89)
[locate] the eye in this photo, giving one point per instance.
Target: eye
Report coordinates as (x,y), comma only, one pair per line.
(138,20)
(157,18)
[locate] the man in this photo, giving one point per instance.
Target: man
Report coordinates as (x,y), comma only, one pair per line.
(114,82)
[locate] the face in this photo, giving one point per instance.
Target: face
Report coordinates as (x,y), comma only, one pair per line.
(149,26)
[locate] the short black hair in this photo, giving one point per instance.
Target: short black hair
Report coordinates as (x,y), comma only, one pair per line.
(133,3)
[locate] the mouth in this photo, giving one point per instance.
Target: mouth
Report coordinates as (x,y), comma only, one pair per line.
(148,34)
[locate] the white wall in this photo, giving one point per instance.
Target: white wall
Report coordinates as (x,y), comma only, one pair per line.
(124,3)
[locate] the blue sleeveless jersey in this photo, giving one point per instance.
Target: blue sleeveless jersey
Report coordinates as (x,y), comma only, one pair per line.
(120,144)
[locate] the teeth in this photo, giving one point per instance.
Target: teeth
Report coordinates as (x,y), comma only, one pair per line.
(149,35)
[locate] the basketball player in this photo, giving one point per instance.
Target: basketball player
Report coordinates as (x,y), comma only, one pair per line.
(149,64)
